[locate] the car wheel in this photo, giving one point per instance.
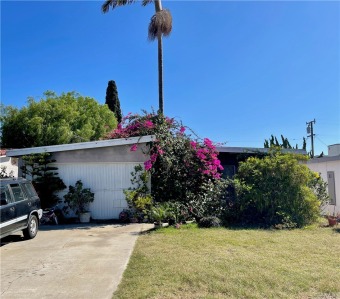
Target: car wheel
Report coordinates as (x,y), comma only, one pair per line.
(32,229)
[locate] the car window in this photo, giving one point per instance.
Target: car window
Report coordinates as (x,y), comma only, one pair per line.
(18,194)
(5,194)
(29,190)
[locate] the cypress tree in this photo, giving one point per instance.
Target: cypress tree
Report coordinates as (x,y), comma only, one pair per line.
(304,146)
(112,100)
(273,141)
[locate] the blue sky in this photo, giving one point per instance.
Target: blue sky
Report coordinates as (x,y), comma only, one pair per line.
(234,71)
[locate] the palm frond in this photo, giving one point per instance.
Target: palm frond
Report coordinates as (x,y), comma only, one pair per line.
(146,2)
(160,22)
(114,3)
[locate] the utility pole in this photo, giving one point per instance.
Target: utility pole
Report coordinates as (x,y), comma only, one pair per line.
(310,131)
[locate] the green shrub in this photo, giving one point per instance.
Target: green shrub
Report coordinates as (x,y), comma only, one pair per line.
(209,201)
(210,221)
(177,212)
(139,198)
(275,190)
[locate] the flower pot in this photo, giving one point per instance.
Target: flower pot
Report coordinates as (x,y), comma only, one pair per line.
(332,221)
(85,217)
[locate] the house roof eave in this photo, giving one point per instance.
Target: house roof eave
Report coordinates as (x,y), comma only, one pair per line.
(79,146)
(246,150)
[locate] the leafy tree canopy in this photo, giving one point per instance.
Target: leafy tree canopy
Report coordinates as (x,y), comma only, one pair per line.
(67,118)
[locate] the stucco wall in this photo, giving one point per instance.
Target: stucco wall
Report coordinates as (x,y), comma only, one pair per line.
(322,166)
(101,155)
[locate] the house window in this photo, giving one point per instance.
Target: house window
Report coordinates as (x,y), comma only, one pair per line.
(228,171)
(331,187)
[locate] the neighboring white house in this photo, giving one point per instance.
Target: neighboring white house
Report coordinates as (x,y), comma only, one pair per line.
(104,166)
(10,164)
(329,169)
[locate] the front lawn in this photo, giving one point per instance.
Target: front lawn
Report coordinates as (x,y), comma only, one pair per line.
(224,263)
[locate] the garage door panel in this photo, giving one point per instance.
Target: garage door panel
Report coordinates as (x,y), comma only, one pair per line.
(107,181)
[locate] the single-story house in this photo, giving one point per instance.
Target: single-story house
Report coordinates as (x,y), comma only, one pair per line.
(329,169)
(9,165)
(104,166)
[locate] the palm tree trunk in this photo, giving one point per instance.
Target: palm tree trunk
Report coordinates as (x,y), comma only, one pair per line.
(160,74)
(158,7)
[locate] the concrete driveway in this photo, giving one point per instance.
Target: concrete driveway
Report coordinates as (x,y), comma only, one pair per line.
(67,261)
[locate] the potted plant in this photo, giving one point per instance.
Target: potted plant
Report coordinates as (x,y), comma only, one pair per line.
(79,199)
(333,219)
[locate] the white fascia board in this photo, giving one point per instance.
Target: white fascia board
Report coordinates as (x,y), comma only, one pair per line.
(245,150)
(79,146)
(324,159)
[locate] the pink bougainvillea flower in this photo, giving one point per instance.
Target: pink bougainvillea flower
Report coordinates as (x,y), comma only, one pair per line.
(217,175)
(149,124)
(182,130)
(153,157)
(193,144)
(201,156)
(216,162)
(133,148)
(147,165)
(126,117)
(208,142)
(169,120)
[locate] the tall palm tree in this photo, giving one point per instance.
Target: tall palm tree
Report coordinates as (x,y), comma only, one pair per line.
(160,24)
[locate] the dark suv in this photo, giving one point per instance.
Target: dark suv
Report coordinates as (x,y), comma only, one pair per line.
(20,208)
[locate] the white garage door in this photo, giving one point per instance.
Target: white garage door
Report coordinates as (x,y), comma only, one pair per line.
(107,181)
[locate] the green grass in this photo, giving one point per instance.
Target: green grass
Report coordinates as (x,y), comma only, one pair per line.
(224,263)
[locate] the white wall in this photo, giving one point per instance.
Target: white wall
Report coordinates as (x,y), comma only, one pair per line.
(106,180)
(11,165)
(322,165)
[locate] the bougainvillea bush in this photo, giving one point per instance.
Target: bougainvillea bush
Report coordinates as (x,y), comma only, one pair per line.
(180,165)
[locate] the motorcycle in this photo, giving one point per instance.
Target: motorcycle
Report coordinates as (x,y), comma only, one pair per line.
(49,217)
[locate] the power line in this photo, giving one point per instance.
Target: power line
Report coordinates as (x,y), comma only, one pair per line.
(320,140)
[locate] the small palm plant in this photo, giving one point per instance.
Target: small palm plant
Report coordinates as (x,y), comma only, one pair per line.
(159,214)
